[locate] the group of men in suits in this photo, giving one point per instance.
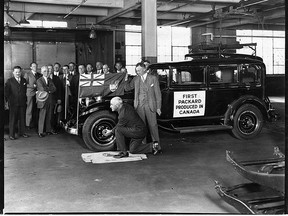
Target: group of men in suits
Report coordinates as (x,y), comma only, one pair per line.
(37,99)
(44,115)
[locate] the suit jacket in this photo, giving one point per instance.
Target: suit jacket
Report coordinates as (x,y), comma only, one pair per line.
(57,95)
(154,93)
(42,86)
(129,118)
(15,93)
(31,80)
(74,85)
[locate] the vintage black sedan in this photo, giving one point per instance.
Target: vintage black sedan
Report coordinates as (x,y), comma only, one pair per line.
(210,91)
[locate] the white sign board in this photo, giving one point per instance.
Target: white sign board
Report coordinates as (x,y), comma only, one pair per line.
(189,104)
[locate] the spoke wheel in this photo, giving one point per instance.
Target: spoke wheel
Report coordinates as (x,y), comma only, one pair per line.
(92,131)
(248,122)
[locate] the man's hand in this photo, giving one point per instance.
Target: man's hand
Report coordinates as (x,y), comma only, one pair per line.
(67,83)
(159,112)
(126,77)
(35,85)
(106,132)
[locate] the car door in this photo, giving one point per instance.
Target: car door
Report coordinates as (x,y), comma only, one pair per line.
(223,88)
(185,96)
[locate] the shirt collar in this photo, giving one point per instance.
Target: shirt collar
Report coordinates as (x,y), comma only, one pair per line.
(144,76)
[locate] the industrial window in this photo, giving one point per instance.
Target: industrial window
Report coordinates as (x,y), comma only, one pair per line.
(172,44)
(270,46)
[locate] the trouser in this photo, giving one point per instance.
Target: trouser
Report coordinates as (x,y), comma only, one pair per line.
(136,135)
(45,118)
(31,111)
(55,118)
(16,113)
(145,113)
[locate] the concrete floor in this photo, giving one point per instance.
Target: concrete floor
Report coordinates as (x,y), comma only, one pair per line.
(48,174)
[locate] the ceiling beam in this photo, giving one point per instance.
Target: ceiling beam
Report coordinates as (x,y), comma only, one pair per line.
(187,9)
(267,16)
(93,3)
(114,13)
(57,9)
(220,2)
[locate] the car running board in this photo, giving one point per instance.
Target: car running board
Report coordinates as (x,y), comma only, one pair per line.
(201,128)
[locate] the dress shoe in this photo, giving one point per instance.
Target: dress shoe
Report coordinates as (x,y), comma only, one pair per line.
(121,155)
(25,135)
(156,149)
(41,135)
(48,133)
(54,132)
(12,138)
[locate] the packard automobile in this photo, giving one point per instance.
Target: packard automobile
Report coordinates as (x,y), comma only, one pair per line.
(209,91)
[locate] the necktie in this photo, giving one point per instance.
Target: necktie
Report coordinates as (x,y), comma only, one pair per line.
(18,80)
(142,77)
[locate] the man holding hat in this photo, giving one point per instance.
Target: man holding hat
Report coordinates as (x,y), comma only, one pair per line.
(45,88)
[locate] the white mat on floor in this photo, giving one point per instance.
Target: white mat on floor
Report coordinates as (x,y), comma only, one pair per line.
(107,157)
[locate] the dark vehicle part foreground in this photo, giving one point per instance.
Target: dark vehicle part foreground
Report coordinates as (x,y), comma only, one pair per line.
(265,194)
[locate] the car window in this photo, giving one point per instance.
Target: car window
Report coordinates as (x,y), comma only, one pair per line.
(250,73)
(188,75)
(223,74)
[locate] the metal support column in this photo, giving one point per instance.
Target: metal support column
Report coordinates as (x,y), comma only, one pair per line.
(149,30)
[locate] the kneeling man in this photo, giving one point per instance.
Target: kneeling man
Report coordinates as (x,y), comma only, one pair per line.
(129,125)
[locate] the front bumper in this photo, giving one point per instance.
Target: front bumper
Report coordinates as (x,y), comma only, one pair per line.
(69,129)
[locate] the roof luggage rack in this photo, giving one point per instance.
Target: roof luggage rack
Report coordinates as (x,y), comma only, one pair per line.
(221,51)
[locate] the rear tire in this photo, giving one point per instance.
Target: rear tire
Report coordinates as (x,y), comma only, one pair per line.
(248,122)
(92,131)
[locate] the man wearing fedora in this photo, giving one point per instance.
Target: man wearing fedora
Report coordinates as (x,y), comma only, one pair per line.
(15,94)
(45,88)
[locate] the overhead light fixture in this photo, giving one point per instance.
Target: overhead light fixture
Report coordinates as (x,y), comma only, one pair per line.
(7,30)
(24,21)
(92,33)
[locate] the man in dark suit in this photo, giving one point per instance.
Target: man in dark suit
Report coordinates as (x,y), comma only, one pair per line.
(31,110)
(45,84)
(72,68)
(117,67)
(65,79)
(99,68)
(147,99)
(129,125)
(56,68)
(56,99)
(74,87)
(15,94)
(89,68)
